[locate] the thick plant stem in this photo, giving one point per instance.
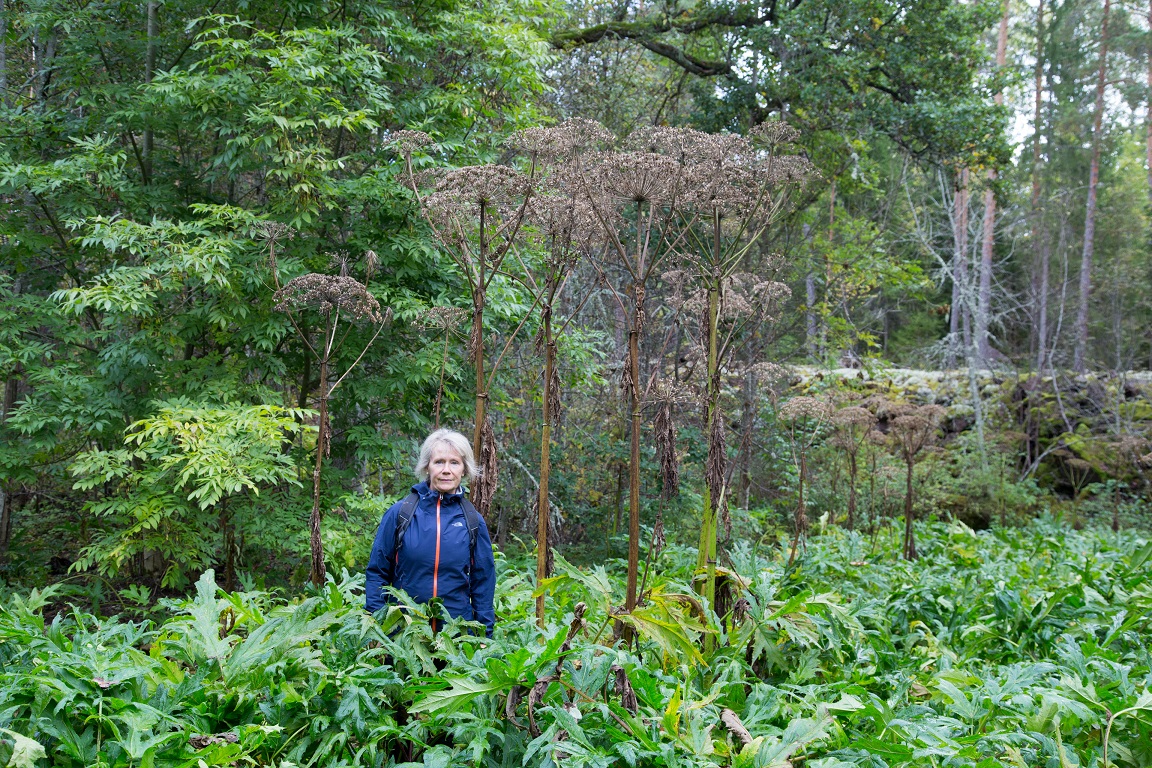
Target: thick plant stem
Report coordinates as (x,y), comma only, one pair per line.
(639,267)
(478,347)
(542,506)
(634,461)
(909,542)
(315,544)
(851,490)
(229,540)
(801,512)
(440,386)
(710,531)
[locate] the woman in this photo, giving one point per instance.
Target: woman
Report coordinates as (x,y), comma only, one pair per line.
(433,543)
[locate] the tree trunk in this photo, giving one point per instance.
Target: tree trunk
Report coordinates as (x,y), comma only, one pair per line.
(149,69)
(959,321)
(987,250)
(542,506)
(812,324)
(1080,354)
(1040,242)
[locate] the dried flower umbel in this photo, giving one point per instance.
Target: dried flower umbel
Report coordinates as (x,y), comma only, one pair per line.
(910,431)
(327,294)
(566,140)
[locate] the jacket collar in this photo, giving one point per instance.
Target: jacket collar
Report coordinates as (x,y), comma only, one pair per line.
(424,491)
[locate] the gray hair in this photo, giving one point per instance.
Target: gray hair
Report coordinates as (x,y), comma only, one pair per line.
(454,440)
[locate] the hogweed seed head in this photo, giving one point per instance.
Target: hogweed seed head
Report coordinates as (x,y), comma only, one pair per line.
(326,293)
(441,318)
(637,177)
(567,139)
(774,133)
(273,230)
(804,408)
(408,142)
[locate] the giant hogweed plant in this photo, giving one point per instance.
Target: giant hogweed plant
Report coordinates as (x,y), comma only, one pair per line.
(1019,647)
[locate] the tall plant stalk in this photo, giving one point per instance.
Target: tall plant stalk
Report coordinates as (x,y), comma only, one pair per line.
(737,187)
(334,298)
(804,418)
(476,213)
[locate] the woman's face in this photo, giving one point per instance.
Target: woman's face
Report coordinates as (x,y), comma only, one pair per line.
(446,469)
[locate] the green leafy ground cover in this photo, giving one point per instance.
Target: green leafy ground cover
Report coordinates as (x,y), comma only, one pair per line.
(1024,647)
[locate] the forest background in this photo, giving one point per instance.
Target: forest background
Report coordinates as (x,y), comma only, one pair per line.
(804,346)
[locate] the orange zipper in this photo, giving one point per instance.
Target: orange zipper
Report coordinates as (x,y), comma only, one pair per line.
(436,564)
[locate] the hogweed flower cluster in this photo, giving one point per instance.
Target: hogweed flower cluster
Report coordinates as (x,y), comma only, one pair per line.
(804,408)
(408,142)
(328,293)
(568,139)
(441,318)
(852,427)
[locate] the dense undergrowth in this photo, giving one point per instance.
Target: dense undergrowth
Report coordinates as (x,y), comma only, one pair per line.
(1019,646)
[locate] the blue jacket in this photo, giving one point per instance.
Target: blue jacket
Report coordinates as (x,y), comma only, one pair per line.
(437,520)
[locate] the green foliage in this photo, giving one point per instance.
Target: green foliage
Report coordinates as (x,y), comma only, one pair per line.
(1017,647)
(178,466)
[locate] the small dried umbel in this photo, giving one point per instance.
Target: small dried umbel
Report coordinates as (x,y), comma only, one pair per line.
(441,318)
(803,416)
(564,227)
(408,142)
(774,133)
(328,293)
(804,408)
(910,433)
(852,424)
(465,191)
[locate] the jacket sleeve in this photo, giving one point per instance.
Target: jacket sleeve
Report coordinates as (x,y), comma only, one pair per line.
(483,582)
(381,562)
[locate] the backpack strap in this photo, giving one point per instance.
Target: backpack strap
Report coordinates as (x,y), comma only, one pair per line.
(472,518)
(403,518)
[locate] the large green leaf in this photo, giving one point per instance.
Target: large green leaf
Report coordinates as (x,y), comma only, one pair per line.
(24,752)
